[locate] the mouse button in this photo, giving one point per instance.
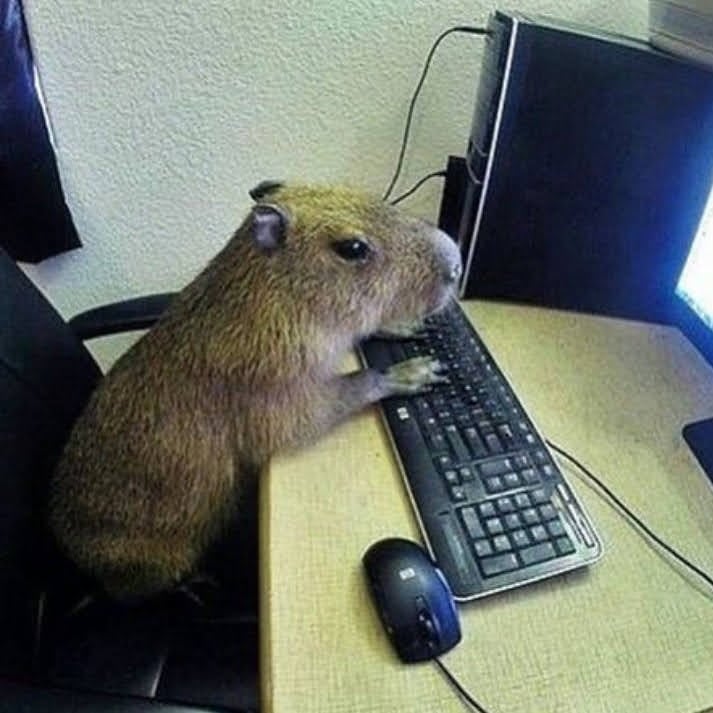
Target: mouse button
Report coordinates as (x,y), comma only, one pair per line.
(427,624)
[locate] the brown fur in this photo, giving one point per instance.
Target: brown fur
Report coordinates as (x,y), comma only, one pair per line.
(243,364)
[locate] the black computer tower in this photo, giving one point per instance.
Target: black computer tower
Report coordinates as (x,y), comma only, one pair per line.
(588,166)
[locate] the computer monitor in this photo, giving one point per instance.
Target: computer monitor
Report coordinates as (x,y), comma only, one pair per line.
(694,308)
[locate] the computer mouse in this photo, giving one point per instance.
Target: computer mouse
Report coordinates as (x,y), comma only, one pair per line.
(413,599)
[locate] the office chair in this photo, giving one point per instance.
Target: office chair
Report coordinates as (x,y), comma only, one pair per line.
(59,649)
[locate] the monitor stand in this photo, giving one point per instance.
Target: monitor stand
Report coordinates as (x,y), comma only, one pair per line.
(699,436)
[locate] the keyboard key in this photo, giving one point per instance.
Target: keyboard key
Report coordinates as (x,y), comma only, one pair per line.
(437,442)
(485,427)
(487,509)
(529,476)
(511,480)
(472,523)
(466,473)
(456,443)
(499,466)
(482,548)
(547,511)
(501,543)
(493,443)
(451,477)
(519,538)
(522,501)
(505,432)
(537,553)
(538,533)
(555,528)
(521,461)
(530,516)
(539,496)
(422,405)
(492,566)
(548,471)
(505,505)
(457,406)
(512,521)
(474,442)
(494,485)
(443,461)
(564,546)
(458,493)
(430,425)
(540,457)
(494,526)
(464,419)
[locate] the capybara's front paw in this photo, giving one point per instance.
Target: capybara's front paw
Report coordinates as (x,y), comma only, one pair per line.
(415,375)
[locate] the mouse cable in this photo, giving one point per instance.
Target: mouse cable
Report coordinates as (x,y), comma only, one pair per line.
(455,683)
(632,516)
(416,186)
(409,117)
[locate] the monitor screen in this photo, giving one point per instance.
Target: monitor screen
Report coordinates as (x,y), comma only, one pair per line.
(695,285)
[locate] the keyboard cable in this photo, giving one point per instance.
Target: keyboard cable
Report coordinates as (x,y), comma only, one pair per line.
(633,517)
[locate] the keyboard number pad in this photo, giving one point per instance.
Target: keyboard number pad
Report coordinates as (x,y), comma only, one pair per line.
(516,531)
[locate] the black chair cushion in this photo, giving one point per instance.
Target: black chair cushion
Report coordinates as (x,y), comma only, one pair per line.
(173,650)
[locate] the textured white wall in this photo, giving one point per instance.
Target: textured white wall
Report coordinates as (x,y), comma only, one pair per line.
(166,113)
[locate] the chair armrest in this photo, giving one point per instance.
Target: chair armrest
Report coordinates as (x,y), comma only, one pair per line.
(125,316)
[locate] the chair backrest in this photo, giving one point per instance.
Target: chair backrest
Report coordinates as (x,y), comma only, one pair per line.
(46,376)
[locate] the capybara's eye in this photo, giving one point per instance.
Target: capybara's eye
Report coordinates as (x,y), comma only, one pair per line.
(352,249)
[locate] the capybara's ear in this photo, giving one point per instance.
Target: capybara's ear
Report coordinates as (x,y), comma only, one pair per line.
(269,227)
(265,188)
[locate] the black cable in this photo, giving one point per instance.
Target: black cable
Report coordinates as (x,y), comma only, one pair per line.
(416,186)
(409,117)
(632,516)
(459,687)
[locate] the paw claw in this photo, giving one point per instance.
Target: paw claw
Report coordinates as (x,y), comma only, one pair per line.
(404,330)
(415,375)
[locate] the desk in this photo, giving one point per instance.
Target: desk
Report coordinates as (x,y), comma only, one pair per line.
(631,633)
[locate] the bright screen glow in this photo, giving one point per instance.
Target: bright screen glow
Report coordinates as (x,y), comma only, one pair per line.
(695,285)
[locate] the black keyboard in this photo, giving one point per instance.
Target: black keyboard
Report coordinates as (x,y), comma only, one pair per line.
(493,506)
